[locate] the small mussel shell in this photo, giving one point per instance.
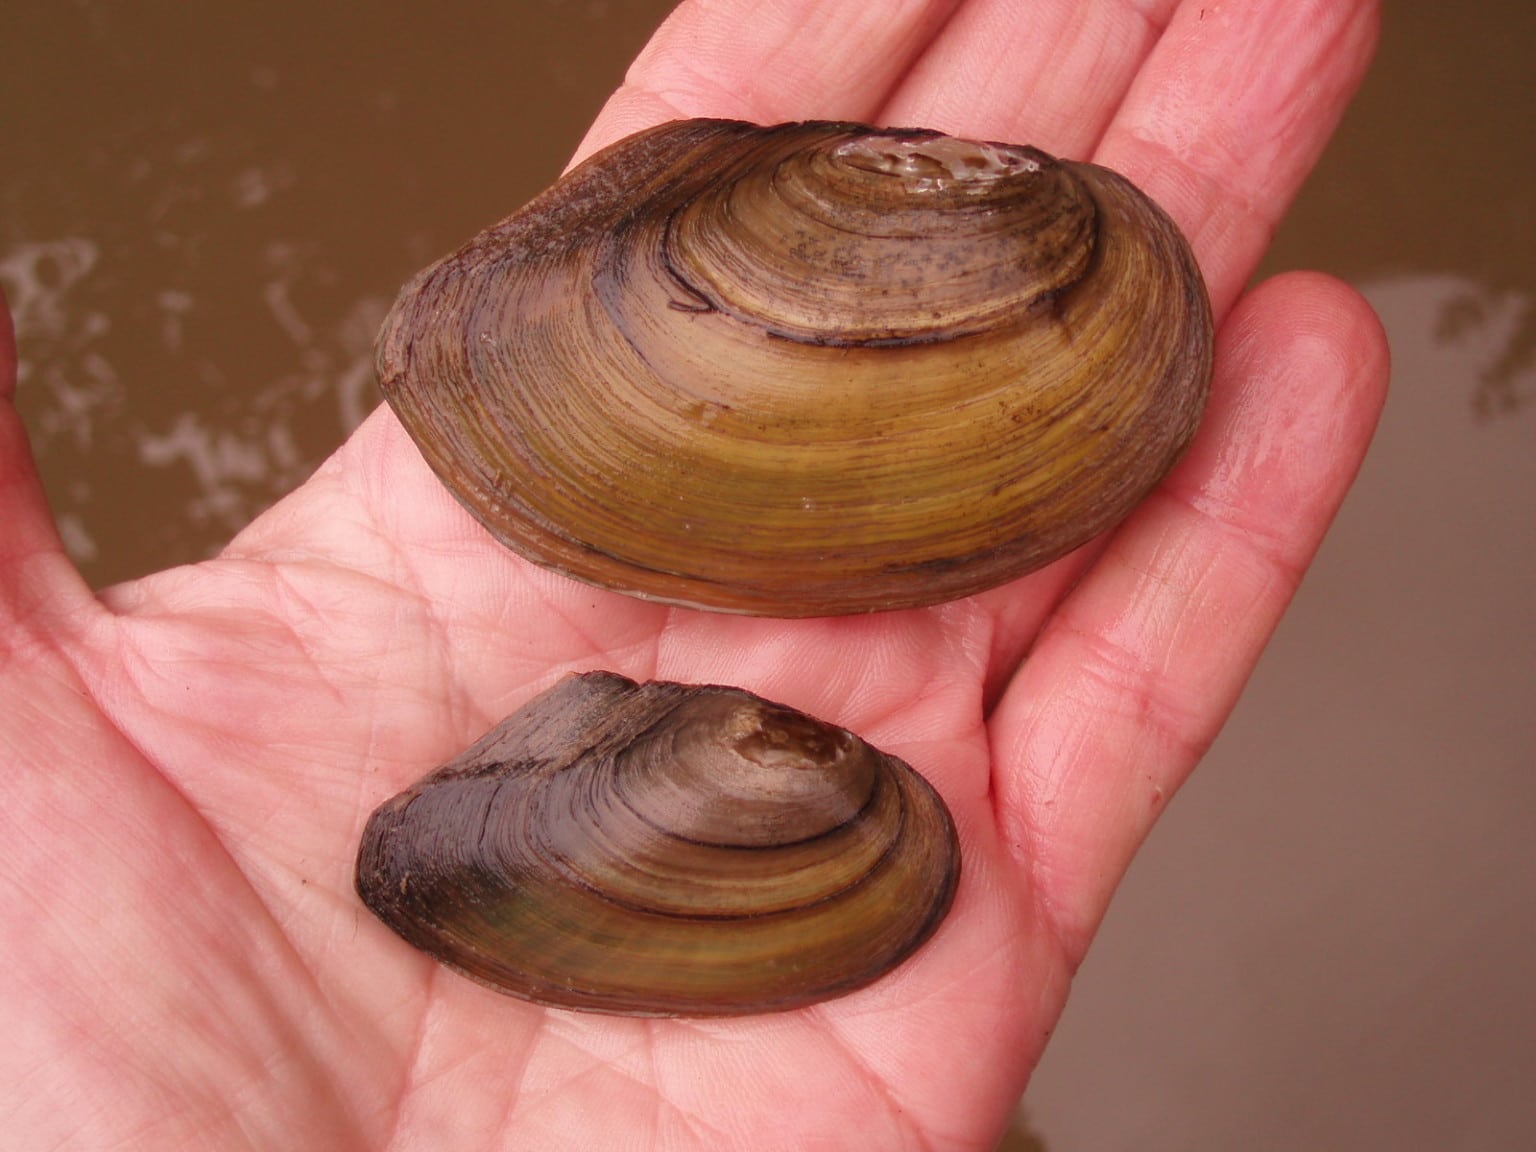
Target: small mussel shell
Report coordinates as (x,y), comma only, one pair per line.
(664,849)
(810,369)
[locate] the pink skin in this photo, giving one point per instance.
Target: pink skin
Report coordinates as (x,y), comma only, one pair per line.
(188,759)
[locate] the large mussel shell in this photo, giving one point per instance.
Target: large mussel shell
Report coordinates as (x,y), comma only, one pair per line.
(664,849)
(811,369)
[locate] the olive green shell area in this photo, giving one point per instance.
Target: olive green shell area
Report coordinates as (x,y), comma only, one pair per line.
(811,369)
(663,849)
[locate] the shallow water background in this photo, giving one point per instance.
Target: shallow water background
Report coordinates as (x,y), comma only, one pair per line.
(1329,940)
(206,209)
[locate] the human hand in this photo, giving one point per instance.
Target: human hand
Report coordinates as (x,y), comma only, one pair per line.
(189,759)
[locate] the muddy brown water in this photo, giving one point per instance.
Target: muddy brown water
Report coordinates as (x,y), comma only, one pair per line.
(1328,941)
(206,209)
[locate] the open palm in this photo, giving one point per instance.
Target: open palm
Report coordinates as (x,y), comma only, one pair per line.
(188,760)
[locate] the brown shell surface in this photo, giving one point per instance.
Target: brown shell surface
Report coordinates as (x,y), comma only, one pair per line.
(664,849)
(810,369)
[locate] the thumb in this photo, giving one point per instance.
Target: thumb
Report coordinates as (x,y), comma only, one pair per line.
(36,576)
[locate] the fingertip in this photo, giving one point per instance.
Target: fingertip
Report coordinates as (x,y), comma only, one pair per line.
(1300,380)
(1319,307)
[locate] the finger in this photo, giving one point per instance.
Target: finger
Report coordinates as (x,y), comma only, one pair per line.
(1046,73)
(770,61)
(38,583)
(1230,113)
(1142,662)
(1225,120)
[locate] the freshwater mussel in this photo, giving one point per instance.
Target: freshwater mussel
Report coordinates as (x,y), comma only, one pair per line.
(664,849)
(810,369)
